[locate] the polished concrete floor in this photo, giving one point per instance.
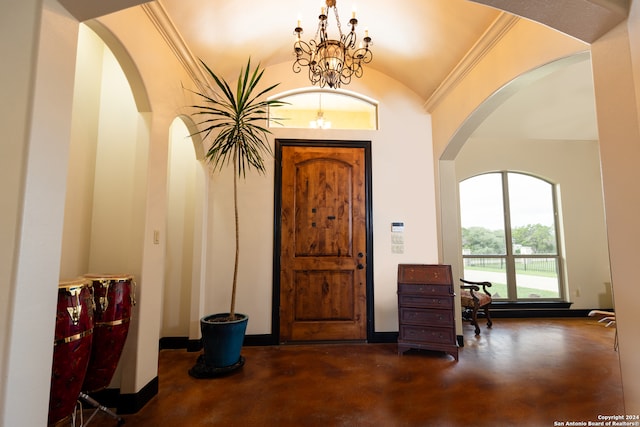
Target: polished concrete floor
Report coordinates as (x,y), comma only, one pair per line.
(523,372)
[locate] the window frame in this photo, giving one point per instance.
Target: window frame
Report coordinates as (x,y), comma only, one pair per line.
(335,104)
(510,257)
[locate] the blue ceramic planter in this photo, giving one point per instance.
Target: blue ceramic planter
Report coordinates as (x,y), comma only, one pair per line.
(222,340)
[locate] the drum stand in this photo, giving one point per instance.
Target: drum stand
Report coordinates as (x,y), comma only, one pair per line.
(98,407)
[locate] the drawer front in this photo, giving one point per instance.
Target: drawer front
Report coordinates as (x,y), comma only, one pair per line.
(445,303)
(423,289)
(426,317)
(427,334)
(423,273)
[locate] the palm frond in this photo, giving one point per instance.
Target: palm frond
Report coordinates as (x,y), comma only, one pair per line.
(236,117)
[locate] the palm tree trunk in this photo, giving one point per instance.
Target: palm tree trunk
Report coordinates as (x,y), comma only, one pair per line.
(232,310)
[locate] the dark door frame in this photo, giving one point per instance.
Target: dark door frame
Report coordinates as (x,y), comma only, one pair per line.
(279,143)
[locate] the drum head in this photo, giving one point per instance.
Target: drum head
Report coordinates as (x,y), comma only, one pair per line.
(73,283)
(113,277)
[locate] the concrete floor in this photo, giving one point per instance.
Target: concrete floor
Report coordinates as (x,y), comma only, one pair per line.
(523,372)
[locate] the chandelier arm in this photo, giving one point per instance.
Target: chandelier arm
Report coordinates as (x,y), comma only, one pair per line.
(316,78)
(301,48)
(349,40)
(345,79)
(304,54)
(362,55)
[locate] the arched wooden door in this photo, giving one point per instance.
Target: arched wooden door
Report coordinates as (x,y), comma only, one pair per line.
(323,244)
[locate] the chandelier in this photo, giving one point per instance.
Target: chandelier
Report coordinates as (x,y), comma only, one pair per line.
(332,62)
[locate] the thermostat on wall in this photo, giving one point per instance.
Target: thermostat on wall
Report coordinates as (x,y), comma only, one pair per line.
(397,227)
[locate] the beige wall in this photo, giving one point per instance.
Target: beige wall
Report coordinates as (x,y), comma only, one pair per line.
(18,42)
(120,176)
(107,169)
(616,73)
(41,131)
(82,156)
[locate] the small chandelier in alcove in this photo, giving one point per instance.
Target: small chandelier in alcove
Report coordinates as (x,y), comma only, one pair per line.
(332,62)
(320,122)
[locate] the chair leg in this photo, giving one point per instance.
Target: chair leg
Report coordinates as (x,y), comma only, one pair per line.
(474,319)
(486,313)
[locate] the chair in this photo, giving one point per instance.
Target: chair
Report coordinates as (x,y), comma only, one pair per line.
(610,318)
(473,300)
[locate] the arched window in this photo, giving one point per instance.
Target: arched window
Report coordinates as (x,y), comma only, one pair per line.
(501,207)
(325,109)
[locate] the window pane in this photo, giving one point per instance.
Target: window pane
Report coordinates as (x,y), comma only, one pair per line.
(537,277)
(532,215)
(492,270)
(482,215)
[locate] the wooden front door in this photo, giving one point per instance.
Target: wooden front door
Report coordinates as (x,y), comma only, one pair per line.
(323,244)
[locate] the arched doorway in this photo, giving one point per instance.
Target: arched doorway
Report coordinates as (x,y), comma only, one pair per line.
(538,126)
(183,292)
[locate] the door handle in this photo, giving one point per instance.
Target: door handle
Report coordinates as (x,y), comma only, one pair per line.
(360,266)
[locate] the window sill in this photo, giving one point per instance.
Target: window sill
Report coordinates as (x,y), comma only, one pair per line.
(523,309)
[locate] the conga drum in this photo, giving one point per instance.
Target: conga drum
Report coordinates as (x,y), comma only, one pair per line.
(72,346)
(114,297)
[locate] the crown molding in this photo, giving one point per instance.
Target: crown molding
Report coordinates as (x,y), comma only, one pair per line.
(496,31)
(165,26)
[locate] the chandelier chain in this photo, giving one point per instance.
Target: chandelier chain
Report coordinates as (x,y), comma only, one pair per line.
(335,11)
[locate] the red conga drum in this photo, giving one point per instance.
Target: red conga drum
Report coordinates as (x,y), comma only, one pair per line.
(114,297)
(72,346)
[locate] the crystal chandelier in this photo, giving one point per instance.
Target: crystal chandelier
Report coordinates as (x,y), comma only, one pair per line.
(332,62)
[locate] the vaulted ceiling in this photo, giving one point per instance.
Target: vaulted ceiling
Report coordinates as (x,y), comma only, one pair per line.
(417,42)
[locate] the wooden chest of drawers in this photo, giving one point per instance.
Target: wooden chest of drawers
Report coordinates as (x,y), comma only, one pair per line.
(425,308)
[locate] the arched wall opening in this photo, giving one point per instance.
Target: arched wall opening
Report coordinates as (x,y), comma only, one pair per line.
(585,259)
(107,175)
(615,82)
(546,151)
(183,293)
(496,99)
(585,256)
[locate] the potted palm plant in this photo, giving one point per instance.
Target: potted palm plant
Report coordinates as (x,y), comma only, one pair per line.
(235,124)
